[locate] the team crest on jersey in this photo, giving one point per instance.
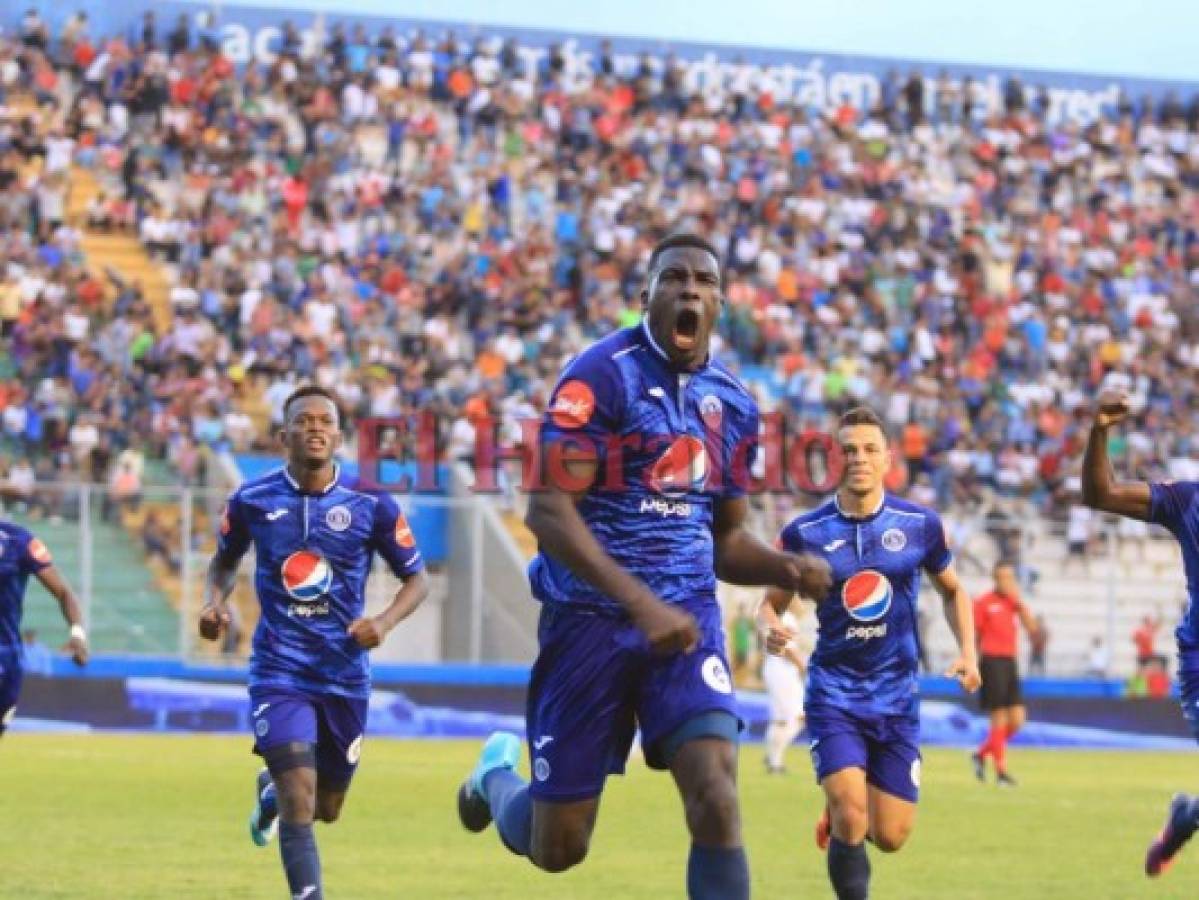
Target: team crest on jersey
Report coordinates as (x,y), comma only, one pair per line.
(682,468)
(866,595)
(711,410)
(307,576)
(894,540)
(574,405)
(39,551)
(404,535)
(338,518)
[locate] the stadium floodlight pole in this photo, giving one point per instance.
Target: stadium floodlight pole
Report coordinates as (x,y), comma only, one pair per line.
(476,580)
(1112,550)
(86,556)
(185,572)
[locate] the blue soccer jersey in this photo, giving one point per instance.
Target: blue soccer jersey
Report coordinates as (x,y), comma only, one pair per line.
(21,555)
(867,654)
(669,445)
(313,554)
(1173,506)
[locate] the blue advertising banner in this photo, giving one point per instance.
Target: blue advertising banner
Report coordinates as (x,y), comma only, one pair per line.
(816,80)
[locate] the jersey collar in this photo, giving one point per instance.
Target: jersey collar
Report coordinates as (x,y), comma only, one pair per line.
(649,339)
(870,515)
(296,485)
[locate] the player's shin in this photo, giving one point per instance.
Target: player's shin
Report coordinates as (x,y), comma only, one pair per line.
(779,736)
(849,870)
(512,808)
(717,873)
(301,862)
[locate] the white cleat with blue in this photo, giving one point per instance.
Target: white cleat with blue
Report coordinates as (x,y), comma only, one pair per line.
(264,820)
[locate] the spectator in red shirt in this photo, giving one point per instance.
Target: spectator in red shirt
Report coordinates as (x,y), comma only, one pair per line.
(1145,637)
(995,616)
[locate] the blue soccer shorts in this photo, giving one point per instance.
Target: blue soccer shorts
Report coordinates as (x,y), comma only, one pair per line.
(595,682)
(332,724)
(11,676)
(886,747)
(1188,688)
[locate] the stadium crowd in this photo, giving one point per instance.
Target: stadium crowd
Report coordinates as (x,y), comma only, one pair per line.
(433,223)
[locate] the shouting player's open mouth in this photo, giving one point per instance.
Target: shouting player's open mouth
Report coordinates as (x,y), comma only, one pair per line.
(685,334)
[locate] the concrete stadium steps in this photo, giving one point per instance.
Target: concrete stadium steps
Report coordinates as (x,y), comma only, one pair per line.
(520,534)
(129,612)
(123,253)
(118,250)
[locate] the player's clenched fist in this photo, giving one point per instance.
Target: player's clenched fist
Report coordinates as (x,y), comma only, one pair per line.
(966,672)
(667,628)
(1111,408)
(811,576)
(367,632)
(213,620)
(778,639)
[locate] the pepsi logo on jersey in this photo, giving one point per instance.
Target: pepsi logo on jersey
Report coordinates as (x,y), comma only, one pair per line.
(682,468)
(307,576)
(866,595)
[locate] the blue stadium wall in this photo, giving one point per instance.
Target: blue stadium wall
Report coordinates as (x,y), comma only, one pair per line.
(445,700)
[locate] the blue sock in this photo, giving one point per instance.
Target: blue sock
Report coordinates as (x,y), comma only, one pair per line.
(849,870)
(301,862)
(717,873)
(512,808)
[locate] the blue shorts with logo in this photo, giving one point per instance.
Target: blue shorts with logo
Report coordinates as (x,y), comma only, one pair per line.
(11,676)
(333,724)
(886,747)
(1188,688)
(595,682)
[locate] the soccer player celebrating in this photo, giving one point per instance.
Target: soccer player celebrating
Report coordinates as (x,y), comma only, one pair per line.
(862,702)
(1174,506)
(995,615)
(784,676)
(651,441)
(309,675)
(22,555)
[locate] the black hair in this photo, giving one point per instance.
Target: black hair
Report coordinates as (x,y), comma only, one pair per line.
(310,390)
(684,239)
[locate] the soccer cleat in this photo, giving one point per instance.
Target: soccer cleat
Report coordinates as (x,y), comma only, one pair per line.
(500,751)
(1179,827)
(980,766)
(264,820)
(824,830)
(1003,779)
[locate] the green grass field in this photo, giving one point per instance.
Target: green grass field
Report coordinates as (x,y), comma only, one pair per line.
(164,817)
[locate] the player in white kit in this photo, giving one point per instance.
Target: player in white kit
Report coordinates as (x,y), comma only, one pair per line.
(784,676)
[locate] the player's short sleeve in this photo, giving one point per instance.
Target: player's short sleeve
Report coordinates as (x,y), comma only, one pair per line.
(587,406)
(1169,502)
(392,538)
(34,555)
(233,532)
(936,553)
(789,539)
